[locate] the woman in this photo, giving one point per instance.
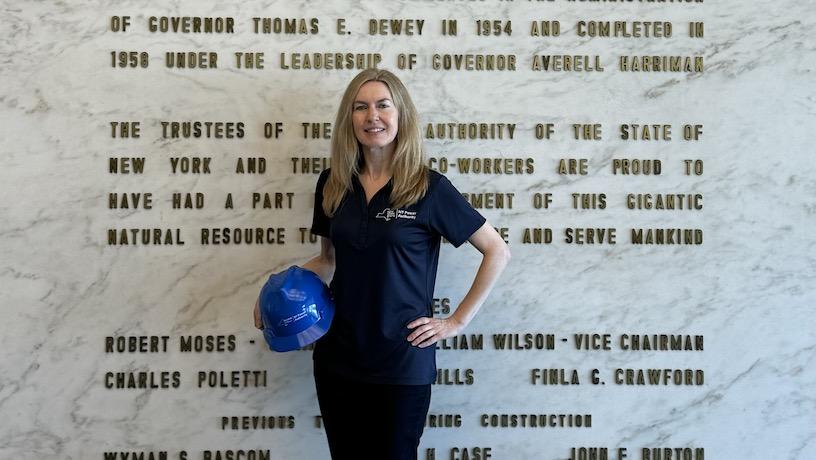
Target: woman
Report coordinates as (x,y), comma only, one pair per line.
(380,213)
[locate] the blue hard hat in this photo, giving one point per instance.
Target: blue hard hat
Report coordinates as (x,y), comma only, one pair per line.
(296,309)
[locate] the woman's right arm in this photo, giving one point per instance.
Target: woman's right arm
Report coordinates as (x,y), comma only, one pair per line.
(322,265)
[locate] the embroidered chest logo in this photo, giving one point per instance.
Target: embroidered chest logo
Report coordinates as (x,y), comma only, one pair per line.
(388,214)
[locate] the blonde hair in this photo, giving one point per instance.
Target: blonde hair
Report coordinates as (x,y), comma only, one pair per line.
(408,166)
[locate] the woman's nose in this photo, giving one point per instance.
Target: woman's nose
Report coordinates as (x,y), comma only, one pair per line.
(373,114)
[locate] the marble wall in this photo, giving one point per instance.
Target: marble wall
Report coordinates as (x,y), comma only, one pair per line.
(745,283)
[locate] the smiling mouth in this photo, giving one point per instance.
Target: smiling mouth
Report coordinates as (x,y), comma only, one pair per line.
(374,130)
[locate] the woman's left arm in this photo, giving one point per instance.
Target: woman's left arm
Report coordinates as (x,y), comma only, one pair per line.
(495,256)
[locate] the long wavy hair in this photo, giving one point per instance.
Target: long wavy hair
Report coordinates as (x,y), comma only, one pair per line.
(408,166)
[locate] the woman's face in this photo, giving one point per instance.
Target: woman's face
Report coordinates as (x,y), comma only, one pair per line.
(374,115)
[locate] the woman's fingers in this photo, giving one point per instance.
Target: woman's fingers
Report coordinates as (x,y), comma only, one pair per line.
(421,326)
(418,322)
(432,339)
(257,314)
(428,333)
(430,330)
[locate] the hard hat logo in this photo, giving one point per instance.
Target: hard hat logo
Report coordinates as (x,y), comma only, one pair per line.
(287,321)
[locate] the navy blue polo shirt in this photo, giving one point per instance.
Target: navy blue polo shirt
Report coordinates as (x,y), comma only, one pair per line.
(384,278)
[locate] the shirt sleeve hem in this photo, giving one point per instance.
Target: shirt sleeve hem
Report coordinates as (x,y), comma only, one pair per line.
(320,232)
(482,220)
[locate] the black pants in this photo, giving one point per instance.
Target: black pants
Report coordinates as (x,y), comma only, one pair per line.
(371,421)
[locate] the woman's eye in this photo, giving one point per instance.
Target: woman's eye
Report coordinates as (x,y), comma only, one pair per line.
(359,107)
(383,106)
